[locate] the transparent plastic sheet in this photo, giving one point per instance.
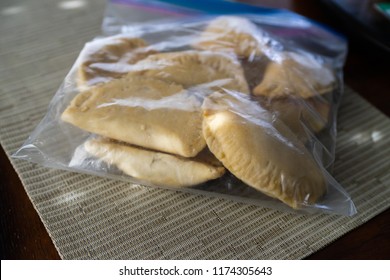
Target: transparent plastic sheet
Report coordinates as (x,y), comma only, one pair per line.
(238,106)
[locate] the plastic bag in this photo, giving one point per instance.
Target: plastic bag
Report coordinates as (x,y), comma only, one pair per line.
(239,106)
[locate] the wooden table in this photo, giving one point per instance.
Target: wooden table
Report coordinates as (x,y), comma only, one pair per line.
(23,236)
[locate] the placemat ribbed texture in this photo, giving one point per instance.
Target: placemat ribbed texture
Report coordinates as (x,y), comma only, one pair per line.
(95,218)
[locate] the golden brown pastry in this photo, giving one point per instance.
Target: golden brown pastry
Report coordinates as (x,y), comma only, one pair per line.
(302,116)
(261,151)
(292,74)
(195,69)
(109,58)
(141,111)
(155,167)
(232,34)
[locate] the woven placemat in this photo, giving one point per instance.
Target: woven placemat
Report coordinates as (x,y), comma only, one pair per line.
(95,218)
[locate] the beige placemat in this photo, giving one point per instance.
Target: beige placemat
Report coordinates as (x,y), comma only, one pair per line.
(94,218)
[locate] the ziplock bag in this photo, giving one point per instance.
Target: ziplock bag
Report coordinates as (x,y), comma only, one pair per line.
(241,106)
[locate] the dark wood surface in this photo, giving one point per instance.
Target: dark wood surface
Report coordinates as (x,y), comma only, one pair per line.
(367,70)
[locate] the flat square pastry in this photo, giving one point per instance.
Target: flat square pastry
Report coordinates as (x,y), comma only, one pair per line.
(155,167)
(141,111)
(261,151)
(109,58)
(195,69)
